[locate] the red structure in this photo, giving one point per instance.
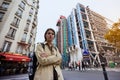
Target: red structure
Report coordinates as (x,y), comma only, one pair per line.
(13,63)
(13,57)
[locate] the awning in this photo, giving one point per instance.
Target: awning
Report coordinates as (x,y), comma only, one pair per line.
(14,57)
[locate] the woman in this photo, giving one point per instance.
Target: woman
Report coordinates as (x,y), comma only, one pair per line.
(49,59)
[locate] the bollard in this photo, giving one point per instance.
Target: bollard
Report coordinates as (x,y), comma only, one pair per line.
(104,71)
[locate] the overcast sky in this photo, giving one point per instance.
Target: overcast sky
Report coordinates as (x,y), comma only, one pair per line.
(50,11)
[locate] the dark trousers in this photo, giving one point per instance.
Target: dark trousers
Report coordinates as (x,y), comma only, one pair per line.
(55,75)
(31,77)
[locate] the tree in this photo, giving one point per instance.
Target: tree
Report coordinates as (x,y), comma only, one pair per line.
(113,35)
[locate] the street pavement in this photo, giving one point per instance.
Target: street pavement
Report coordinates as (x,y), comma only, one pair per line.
(15,77)
(107,69)
(89,74)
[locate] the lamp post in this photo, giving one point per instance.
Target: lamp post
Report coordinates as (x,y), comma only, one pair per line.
(104,71)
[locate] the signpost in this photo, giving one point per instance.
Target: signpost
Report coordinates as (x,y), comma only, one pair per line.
(86,55)
(85,52)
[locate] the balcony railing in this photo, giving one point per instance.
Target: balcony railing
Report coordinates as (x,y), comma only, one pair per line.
(8,0)
(2,8)
(14,24)
(10,36)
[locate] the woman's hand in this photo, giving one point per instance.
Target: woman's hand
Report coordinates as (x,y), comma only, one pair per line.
(58,62)
(43,55)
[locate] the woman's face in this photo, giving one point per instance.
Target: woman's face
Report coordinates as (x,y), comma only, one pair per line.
(50,36)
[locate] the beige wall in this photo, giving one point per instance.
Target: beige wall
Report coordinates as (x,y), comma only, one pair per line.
(8,18)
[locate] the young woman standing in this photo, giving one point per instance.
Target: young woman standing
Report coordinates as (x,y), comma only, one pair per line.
(49,59)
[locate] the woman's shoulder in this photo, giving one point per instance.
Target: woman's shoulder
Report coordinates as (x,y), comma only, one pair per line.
(40,43)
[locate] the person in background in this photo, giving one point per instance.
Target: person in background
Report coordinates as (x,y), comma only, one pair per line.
(31,66)
(83,65)
(49,59)
(79,65)
(70,66)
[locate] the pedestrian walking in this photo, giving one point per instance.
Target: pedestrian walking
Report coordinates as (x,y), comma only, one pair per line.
(70,66)
(79,65)
(83,66)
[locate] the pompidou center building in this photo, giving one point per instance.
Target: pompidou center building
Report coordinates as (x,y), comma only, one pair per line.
(84,37)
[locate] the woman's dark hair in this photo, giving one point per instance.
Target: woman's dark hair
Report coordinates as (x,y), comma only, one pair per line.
(47,31)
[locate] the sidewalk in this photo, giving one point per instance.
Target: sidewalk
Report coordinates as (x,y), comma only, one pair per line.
(107,69)
(99,69)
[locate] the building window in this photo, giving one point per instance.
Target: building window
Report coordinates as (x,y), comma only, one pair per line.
(32,30)
(11,33)
(31,11)
(85,24)
(30,40)
(33,4)
(22,5)
(26,27)
(6,46)
(5,5)
(19,49)
(24,37)
(19,13)
(82,8)
(1,15)
(29,18)
(84,16)
(16,22)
